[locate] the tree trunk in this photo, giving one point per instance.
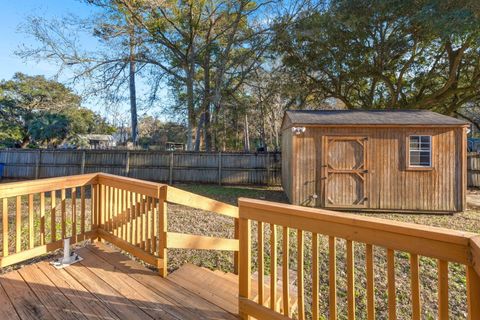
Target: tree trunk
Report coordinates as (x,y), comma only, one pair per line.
(25,142)
(246,134)
(192,118)
(191,112)
(198,135)
(133,92)
(275,131)
(224,140)
(216,97)
(206,104)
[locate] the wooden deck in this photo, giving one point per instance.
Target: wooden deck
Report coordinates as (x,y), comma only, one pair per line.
(108,285)
(132,214)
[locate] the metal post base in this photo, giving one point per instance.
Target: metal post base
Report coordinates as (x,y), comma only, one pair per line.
(63,263)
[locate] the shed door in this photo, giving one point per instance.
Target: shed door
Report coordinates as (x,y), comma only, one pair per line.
(345,164)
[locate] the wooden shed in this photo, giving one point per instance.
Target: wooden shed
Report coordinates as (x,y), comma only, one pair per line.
(408,160)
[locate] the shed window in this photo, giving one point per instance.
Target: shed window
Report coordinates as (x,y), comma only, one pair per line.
(420,151)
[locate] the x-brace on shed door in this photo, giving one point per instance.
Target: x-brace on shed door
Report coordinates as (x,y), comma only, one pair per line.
(345,164)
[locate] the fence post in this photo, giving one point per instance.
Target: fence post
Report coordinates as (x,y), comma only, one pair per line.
(82,165)
(268,169)
(127,164)
(220,168)
(37,164)
(170,173)
(245,256)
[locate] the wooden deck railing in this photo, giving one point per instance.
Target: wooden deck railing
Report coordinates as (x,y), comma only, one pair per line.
(188,241)
(442,244)
(129,213)
(132,214)
(130,217)
(39,219)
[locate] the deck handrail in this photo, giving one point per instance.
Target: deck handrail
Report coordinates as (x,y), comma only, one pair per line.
(128,212)
(445,245)
(196,201)
(13,189)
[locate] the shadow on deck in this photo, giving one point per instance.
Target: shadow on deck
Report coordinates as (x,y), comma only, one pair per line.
(109,285)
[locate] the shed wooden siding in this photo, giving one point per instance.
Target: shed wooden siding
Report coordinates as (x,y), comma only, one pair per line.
(390,186)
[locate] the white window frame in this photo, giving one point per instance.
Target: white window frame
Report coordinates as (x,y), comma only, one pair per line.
(430,151)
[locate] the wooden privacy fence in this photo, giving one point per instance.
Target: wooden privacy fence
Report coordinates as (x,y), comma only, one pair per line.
(171,167)
(446,246)
(473,170)
(129,213)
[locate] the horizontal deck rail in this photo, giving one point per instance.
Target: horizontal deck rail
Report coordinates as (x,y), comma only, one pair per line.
(444,245)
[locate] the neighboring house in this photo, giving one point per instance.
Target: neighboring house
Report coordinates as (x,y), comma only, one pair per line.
(174,146)
(409,160)
(99,141)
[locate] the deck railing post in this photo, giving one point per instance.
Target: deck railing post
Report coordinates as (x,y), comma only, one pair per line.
(100,208)
(162,233)
(473,280)
(473,293)
(95,206)
(236,253)
(245,256)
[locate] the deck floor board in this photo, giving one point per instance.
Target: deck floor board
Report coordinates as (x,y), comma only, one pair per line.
(7,311)
(25,302)
(53,299)
(105,285)
(181,299)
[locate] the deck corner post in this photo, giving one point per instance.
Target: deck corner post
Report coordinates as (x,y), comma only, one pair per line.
(95,206)
(473,293)
(162,237)
(100,209)
(245,257)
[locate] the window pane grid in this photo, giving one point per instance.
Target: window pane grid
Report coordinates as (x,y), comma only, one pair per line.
(420,151)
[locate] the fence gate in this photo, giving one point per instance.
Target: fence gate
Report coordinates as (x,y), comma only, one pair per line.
(345,163)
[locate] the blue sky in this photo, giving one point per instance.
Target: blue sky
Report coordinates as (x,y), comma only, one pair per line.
(14,13)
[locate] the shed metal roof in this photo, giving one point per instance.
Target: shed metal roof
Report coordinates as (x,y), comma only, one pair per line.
(369,118)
